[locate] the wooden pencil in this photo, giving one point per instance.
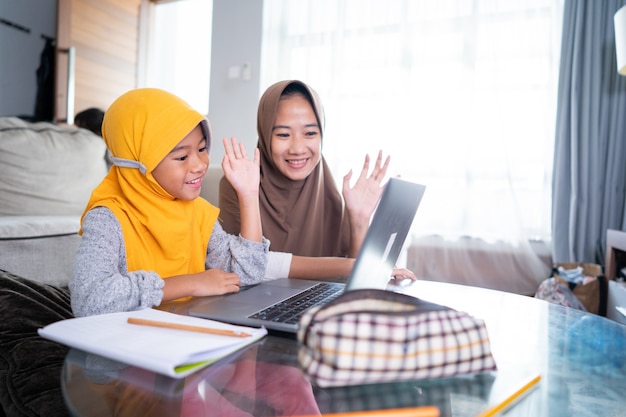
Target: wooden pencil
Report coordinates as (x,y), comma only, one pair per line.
(199,329)
(514,396)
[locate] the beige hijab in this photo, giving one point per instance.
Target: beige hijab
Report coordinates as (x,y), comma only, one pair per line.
(307,217)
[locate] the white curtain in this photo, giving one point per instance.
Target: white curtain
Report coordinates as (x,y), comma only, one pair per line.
(461,94)
(179,49)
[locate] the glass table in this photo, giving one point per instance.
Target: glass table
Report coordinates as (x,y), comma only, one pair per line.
(581,359)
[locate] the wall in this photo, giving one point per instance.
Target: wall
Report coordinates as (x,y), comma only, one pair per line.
(20,52)
(105,38)
(237,31)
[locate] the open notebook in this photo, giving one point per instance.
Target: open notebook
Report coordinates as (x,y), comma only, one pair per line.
(272,303)
(166,350)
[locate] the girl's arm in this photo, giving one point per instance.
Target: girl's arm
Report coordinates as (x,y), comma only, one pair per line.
(231,253)
(209,282)
(244,175)
(100,281)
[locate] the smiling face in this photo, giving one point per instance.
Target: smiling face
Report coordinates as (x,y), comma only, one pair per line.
(181,172)
(296,138)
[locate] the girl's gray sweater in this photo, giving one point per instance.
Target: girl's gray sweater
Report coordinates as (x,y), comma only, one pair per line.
(101,282)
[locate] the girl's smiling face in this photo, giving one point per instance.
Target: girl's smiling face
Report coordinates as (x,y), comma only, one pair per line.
(296,138)
(181,172)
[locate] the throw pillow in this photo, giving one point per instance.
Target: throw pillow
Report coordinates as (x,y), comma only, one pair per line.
(30,366)
(48,169)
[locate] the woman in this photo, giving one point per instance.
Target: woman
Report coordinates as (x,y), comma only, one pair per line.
(302,212)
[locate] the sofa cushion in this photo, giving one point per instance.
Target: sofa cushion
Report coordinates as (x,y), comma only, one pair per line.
(210,190)
(47,169)
(30,366)
(40,248)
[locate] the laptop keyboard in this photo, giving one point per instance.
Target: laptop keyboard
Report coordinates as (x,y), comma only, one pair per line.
(291,309)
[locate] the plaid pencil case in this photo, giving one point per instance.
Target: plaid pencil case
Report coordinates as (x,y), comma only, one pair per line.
(374,336)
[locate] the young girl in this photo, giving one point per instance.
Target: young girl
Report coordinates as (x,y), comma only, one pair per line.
(146,236)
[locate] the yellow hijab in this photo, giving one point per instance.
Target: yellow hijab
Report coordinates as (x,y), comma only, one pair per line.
(161,233)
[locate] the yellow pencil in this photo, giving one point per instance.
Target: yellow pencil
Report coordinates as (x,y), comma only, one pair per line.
(528,384)
(425,411)
(200,329)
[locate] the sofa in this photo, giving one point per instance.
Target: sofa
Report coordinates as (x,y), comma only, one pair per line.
(47,173)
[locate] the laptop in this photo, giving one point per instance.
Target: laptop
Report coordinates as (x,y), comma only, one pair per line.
(270,303)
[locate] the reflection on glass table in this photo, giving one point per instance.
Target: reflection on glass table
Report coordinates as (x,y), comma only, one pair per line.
(581,359)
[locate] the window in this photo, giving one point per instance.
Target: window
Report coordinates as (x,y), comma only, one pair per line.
(461,94)
(179,57)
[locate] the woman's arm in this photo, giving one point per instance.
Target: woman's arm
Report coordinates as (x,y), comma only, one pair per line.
(306,267)
(362,199)
(286,265)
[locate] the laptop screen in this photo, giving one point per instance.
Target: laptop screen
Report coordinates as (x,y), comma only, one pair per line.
(386,234)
